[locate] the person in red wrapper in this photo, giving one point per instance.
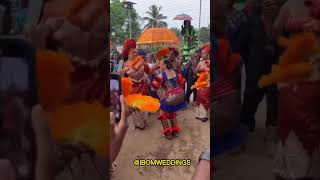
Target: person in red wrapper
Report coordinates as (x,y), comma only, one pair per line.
(136,68)
(298,127)
(173,98)
(227,68)
(203,93)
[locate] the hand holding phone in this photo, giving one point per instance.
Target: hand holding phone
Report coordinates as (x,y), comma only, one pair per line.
(17,97)
(115,93)
(118,130)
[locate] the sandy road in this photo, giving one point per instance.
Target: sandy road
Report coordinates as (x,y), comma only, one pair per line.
(148,144)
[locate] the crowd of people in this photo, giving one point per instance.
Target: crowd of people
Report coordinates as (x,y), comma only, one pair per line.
(168,76)
(79,31)
(164,75)
(251,34)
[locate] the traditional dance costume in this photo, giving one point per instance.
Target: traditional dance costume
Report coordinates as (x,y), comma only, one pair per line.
(298,153)
(172,102)
(137,75)
(203,103)
(227,131)
(203,93)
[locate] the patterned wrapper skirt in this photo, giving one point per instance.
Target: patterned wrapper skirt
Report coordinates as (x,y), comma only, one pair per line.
(171,109)
(203,97)
(138,117)
(203,102)
(298,153)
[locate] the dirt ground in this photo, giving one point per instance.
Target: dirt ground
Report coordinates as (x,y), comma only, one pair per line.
(148,144)
(255,162)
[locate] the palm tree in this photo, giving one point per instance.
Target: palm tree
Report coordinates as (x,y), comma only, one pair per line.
(155,18)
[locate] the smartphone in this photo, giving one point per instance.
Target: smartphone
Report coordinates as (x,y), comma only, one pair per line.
(17,97)
(120,66)
(115,92)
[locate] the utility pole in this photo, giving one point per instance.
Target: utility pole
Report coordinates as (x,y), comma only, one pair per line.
(199,20)
(129,6)
(129,11)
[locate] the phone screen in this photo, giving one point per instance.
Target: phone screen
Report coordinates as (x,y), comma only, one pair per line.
(120,66)
(115,92)
(15,142)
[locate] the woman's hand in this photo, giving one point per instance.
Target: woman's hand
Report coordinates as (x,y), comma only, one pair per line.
(118,130)
(43,143)
(40,123)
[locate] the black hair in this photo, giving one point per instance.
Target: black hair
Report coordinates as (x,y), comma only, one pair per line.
(168,63)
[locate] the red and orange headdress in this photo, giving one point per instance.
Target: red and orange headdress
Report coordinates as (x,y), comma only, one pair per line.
(127,47)
(227,60)
(206,48)
(162,53)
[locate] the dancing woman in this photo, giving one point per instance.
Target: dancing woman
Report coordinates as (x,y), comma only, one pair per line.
(137,73)
(298,126)
(173,99)
(203,93)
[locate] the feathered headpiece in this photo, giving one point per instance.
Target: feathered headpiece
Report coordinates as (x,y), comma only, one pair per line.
(226,59)
(162,53)
(127,46)
(206,48)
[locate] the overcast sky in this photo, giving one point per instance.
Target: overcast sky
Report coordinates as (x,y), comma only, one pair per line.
(171,8)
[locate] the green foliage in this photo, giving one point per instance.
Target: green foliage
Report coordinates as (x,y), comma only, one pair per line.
(135,26)
(154,17)
(119,25)
(204,34)
(117,21)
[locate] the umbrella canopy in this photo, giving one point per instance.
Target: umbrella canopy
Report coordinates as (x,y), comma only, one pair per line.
(183,17)
(154,36)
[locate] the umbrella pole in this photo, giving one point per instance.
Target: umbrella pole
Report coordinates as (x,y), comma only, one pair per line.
(199,19)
